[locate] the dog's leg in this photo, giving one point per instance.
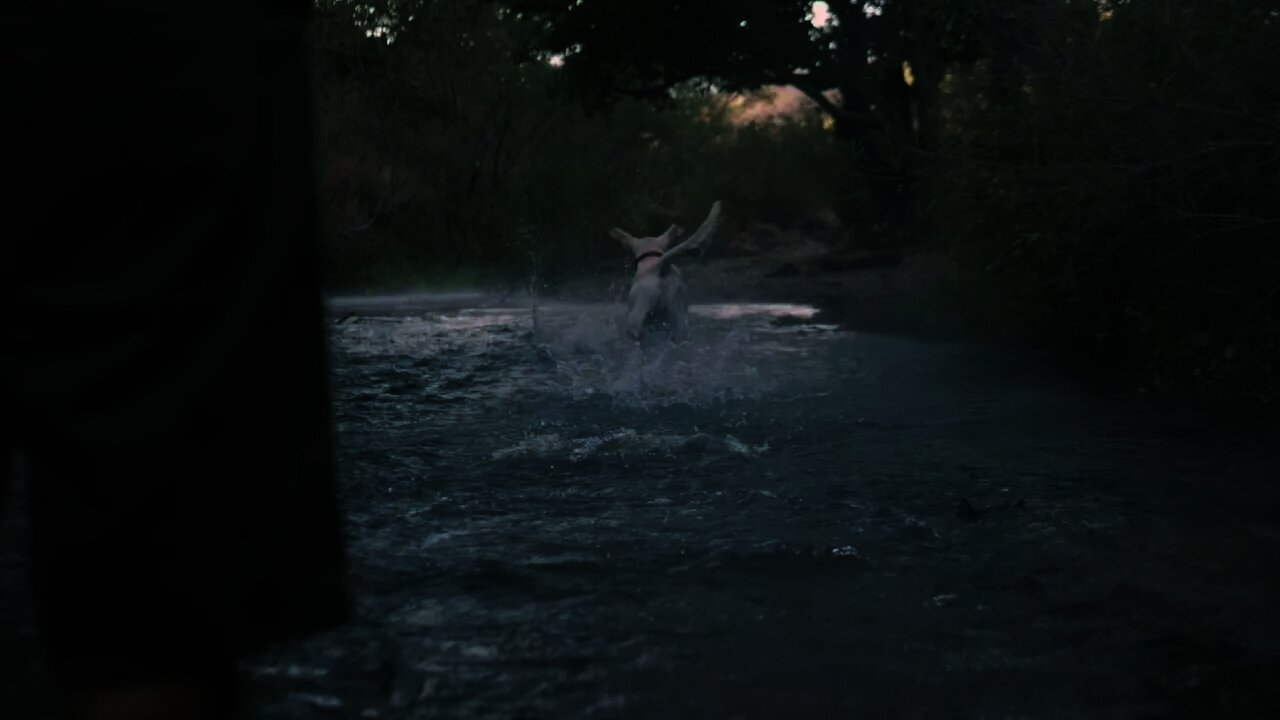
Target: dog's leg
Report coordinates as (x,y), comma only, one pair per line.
(643,298)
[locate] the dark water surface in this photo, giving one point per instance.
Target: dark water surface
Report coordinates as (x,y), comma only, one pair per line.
(782,519)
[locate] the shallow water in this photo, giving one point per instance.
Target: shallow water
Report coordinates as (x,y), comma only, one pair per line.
(781,519)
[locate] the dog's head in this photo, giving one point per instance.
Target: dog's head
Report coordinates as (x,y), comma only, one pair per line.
(659,247)
(645,247)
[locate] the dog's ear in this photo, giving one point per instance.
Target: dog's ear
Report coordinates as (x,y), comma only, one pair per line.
(625,238)
(668,237)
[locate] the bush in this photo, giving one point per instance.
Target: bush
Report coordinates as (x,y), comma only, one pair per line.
(1122,202)
(449,151)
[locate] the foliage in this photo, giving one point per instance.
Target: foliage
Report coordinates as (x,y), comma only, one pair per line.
(875,69)
(451,145)
(1106,171)
(1116,190)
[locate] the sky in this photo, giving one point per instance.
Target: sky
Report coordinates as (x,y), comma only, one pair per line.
(821,14)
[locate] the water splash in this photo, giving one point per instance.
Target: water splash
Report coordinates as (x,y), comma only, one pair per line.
(738,352)
(625,442)
(594,359)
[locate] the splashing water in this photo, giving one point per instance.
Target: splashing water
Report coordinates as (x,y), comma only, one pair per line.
(624,442)
(540,509)
(578,352)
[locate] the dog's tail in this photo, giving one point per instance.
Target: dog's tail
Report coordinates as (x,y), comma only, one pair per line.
(698,240)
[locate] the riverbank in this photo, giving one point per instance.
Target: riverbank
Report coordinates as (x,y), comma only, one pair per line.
(907,295)
(922,296)
(904,295)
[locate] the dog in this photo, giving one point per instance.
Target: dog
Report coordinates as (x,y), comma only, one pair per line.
(658,299)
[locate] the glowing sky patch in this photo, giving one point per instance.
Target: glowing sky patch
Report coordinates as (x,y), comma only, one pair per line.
(820,14)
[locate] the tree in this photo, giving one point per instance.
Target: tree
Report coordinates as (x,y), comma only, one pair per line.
(876,67)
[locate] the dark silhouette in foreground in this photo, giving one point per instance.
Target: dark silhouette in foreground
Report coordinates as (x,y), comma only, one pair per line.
(166,381)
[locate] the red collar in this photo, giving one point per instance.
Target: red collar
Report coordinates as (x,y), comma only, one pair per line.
(646,255)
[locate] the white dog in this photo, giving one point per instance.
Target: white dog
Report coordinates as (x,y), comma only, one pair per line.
(658,299)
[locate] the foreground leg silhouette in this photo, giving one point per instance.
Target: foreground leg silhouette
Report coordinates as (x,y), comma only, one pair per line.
(167,384)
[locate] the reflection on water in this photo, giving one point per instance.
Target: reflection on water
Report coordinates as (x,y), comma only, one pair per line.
(735,311)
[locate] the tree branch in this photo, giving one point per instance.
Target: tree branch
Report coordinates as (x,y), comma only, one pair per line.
(822,101)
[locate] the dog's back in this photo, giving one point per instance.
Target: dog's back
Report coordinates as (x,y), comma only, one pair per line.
(658,298)
(659,301)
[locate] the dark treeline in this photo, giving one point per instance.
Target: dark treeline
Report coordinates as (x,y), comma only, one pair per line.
(455,151)
(1106,175)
